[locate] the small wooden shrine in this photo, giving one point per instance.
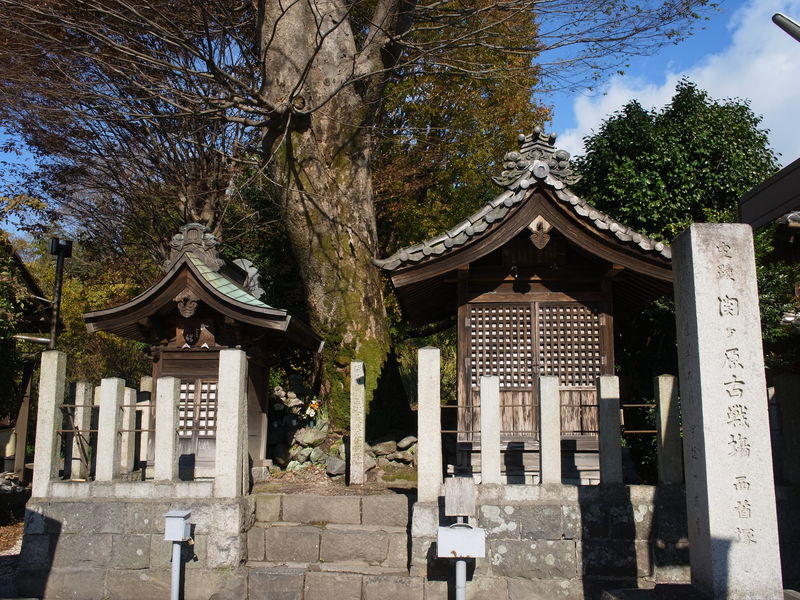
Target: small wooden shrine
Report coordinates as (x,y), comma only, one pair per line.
(536,278)
(201,306)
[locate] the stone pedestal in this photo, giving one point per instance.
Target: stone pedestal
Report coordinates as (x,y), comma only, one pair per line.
(730,495)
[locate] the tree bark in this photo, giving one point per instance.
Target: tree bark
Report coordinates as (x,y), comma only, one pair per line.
(318,152)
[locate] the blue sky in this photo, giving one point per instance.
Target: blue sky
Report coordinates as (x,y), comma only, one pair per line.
(739,54)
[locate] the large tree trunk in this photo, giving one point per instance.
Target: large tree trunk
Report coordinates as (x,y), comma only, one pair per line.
(318,150)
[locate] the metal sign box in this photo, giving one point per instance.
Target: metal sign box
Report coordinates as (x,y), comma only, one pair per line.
(461,541)
(177,527)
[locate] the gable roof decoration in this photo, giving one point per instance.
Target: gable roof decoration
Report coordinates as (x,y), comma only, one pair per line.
(537,162)
(195,273)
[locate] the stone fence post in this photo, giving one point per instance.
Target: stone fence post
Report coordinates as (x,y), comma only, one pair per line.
(82,420)
(429,428)
(127,460)
(357,425)
(51,396)
(144,405)
(112,392)
(669,451)
(490,429)
(230,465)
(168,391)
(610,430)
(549,430)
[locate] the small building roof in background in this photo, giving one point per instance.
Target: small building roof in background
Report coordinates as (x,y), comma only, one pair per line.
(535,181)
(195,272)
(773,198)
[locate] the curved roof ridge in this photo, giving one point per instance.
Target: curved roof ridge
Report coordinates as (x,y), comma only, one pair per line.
(537,162)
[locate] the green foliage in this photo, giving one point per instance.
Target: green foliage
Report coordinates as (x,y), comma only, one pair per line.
(659,171)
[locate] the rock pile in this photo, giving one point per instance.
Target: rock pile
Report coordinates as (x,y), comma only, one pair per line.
(10,484)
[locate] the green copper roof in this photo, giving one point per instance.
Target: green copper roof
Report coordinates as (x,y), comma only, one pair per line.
(224,285)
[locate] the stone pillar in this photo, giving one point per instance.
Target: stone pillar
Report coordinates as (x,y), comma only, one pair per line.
(549,430)
(490,429)
(168,393)
(668,440)
(610,431)
(429,428)
(48,419)
(127,460)
(787,395)
(82,420)
(357,424)
(112,391)
(730,495)
(231,443)
(144,405)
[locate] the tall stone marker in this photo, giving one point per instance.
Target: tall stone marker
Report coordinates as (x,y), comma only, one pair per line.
(357,422)
(730,495)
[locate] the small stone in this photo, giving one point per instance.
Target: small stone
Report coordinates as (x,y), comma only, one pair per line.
(293,465)
(404,457)
(334,466)
(406,442)
(384,448)
(317,456)
(369,462)
(309,437)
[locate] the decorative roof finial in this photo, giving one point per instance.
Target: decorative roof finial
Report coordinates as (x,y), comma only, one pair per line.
(537,158)
(198,240)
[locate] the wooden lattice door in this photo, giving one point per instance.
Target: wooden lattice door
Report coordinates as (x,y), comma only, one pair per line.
(519,342)
(197,427)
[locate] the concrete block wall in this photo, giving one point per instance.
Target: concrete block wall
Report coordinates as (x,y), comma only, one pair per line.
(562,541)
(98,548)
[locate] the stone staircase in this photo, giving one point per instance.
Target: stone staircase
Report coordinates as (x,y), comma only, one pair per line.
(347,547)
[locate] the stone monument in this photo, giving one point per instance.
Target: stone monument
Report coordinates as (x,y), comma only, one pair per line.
(730,495)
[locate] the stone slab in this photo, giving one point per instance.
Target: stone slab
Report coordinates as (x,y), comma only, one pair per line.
(130,551)
(136,585)
(533,559)
(276,584)
(292,544)
(255,544)
(429,419)
(357,422)
(332,586)
(268,508)
(344,546)
(82,550)
(391,510)
(544,589)
(375,587)
(309,508)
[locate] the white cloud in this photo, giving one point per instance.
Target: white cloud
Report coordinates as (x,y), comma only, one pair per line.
(761,64)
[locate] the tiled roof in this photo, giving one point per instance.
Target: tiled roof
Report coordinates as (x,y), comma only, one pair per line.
(537,161)
(224,285)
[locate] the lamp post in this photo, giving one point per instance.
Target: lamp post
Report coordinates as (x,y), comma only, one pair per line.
(787,24)
(61,249)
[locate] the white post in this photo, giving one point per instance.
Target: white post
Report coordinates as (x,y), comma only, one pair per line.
(144,405)
(357,425)
(168,390)
(668,442)
(490,429)
(127,460)
(231,439)
(82,419)
(112,391)
(429,428)
(730,493)
(48,420)
(610,430)
(549,430)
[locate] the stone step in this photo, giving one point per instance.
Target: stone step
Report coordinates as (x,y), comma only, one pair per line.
(387,510)
(296,545)
(321,585)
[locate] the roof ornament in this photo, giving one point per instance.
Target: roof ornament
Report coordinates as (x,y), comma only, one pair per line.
(537,159)
(198,240)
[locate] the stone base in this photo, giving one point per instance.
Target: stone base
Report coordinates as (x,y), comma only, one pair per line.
(659,592)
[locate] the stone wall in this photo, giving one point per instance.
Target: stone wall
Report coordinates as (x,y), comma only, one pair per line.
(546,542)
(98,548)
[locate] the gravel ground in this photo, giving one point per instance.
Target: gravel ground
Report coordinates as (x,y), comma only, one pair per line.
(10,544)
